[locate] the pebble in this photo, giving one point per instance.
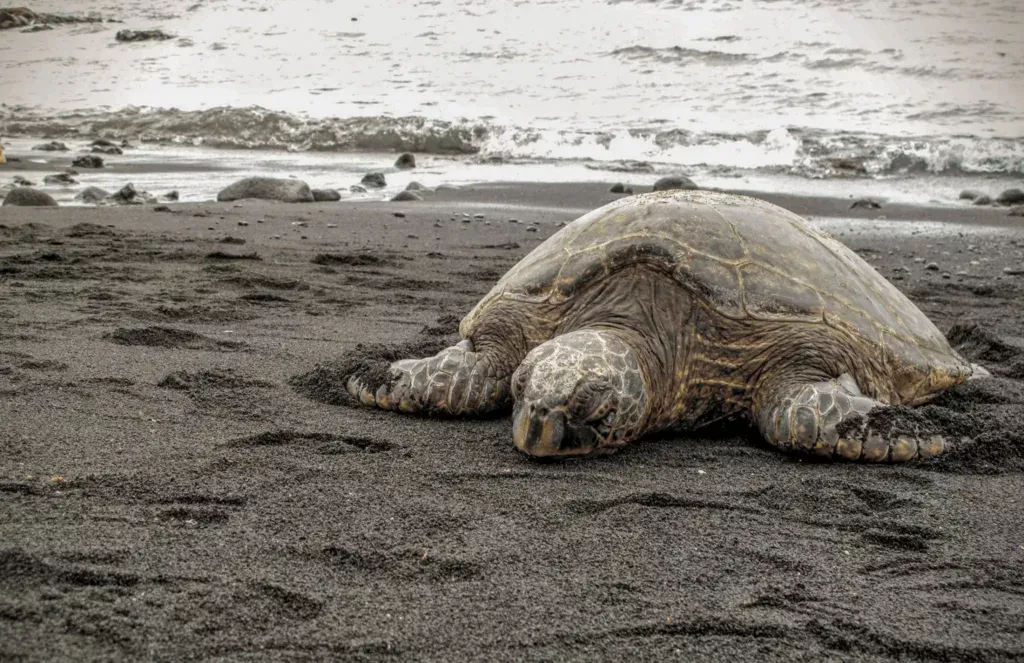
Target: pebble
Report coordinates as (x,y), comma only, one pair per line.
(243,223)
(301,224)
(531,229)
(332,225)
(466,220)
(513,220)
(478,217)
(1013,271)
(918,260)
(400,215)
(932,267)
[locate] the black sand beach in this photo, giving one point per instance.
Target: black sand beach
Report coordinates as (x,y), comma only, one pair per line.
(166,494)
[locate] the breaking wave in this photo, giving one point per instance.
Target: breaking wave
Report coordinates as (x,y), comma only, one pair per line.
(804,152)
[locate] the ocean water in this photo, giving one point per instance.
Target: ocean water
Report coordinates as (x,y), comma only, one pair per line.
(923,96)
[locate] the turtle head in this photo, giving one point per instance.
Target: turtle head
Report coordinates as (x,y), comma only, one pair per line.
(579,393)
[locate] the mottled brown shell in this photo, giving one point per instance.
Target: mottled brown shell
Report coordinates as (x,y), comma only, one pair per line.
(746,258)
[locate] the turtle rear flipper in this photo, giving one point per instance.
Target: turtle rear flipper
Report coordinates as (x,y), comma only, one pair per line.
(456,381)
(829,419)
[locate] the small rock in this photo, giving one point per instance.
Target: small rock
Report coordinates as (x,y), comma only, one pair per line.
(618,187)
(969,194)
(513,220)
(982,200)
(170,195)
(52,146)
(88,161)
(162,208)
(141,35)
(301,224)
(478,217)
(865,203)
(1012,271)
(243,223)
(21,181)
(59,178)
(674,182)
(466,219)
(405,196)
(932,267)
(26,196)
(400,215)
(92,194)
(106,149)
(129,195)
(531,229)
(355,188)
(102,142)
(38,28)
(326,195)
(332,225)
(405,161)
(374,180)
(1011,197)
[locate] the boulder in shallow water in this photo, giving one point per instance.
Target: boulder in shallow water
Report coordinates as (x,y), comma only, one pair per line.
(21,181)
(1011,197)
(268,188)
(675,182)
(52,146)
(26,196)
(415,186)
(60,178)
(106,149)
(142,35)
(983,200)
(406,196)
(170,195)
(355,188)
(866,203)
(92,194)
(969,194)
(405,161)
(129,195)
(88,161)
(326,195)
(374,180)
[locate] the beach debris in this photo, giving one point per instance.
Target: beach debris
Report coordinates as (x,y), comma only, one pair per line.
(88,161)
(983,200)
(405,161)
(124,36)
(619,187)
(21,181)
(865,203)
(106,149)
(675,182)
(404,196)
(1011,197)
(92,194)
(52,146)
(326,195)
(969,194)
(26,196)
(374,180)
(286,190)
(59,178)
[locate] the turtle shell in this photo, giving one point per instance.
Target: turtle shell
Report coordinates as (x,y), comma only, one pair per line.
(747,259)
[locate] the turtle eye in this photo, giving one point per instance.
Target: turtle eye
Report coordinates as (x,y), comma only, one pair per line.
(592,403)
(518,384)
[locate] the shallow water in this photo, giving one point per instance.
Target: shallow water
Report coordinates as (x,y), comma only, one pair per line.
(768,89)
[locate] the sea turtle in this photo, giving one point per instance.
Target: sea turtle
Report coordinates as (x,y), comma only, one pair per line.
(677,309)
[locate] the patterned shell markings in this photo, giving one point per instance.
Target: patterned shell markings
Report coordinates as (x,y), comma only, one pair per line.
(747,258)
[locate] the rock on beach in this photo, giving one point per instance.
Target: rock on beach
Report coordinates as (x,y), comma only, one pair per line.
(268,188)
(675,182)
(26,196)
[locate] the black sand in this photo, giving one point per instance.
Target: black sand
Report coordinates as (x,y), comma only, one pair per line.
(166,494)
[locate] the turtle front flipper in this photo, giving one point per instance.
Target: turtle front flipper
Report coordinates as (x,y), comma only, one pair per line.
(829,419)
(456,381)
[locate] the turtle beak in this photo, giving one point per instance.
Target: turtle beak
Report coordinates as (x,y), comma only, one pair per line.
(546,433)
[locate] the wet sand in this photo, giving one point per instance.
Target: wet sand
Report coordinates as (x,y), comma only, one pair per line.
(166,494)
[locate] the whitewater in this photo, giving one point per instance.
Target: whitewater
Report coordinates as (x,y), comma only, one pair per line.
(910,102)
